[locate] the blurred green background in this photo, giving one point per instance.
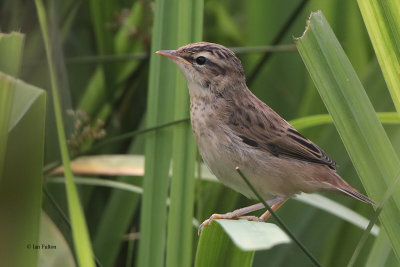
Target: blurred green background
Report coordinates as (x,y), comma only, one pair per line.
(101,50)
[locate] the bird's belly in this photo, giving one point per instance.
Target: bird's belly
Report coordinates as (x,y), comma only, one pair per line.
(223,153)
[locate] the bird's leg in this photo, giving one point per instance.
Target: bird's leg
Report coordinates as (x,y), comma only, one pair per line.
(274,207)
(238,214)
(234,215)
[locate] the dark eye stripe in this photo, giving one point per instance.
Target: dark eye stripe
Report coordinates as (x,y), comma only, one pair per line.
(216,69)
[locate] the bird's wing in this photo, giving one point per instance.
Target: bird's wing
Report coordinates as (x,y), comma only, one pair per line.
(266,130)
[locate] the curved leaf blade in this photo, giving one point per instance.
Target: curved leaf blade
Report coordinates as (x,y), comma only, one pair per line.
(354,117)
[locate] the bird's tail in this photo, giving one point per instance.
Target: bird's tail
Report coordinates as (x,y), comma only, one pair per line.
(338,183)
(357,195)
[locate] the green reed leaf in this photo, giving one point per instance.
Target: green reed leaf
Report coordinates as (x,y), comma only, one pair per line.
(382,20)
(354,117)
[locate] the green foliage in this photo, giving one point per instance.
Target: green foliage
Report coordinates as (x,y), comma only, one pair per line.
(217,249)
(383,24)
(10,52)
(158,149)
(180,230)
(22,109)
(355,119)
(11,46)
(83,247)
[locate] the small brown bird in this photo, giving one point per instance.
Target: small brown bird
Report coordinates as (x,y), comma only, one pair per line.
(233,128)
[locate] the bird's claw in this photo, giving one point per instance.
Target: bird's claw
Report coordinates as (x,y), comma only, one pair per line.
(205,223)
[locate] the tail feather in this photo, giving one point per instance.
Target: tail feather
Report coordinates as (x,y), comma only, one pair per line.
(357,195)
(338,183)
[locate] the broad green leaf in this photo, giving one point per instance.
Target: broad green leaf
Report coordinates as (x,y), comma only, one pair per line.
(24,101)
(216,248)
(21,177)
(354,117)
(252,236)
(337,209)
(11,55)
(7,91)
(382,20)
(11,52)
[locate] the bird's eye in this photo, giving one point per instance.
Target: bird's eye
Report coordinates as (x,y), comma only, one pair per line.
(201,60)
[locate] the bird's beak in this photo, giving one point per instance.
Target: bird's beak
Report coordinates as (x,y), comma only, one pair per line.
(172,55)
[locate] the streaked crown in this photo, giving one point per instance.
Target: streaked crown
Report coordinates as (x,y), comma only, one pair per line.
(216,57)
(207,64)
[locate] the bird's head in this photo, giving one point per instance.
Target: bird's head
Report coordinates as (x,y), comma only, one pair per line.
(207,66)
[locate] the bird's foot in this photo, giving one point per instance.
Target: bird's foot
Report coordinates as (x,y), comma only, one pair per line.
(215,216)
(227,216)
(238,214)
